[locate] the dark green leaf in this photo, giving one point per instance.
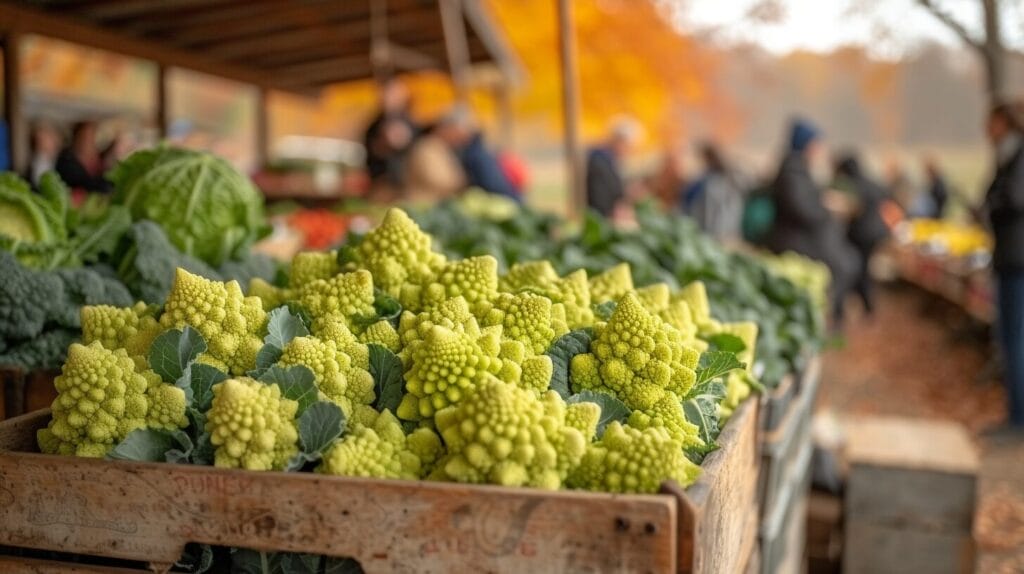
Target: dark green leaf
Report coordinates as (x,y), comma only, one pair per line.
(388,384)
(300,312)
(296,382)
(703,412)
(172,352)
(561,352)
(283,326)
(603,311)
(320,425)
(201,378)
(143,445)
(342,566)
(182,453)
(612,409)
(267,356)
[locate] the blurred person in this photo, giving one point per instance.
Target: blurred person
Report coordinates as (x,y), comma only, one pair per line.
(390,135)
(715,199)
(937,188)
(44,147)
(668,182)
(1004,205)
(867,229)
(80,164)
(480,165)
(802,223)
(5,152)
(432,171)
(120,146)
(606,187)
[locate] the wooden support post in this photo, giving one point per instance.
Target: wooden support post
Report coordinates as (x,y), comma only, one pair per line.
(571,108)
(456,46)
(162,113)
(262,129)
(506,126)
(17,131)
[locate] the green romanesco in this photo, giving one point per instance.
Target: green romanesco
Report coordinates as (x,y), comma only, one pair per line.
(335,376)
(130,328)
(270,295)
(571,293)
(346,295)
(308,266)
(532,275)
(612,284)
(231,323)
(452,314)
(668,414)
(636,357)
(475,279)
(382,333)
(677,314)
(505,435)
(251,425)
(654,298)
(524,317)
(334,328)
(696,296)
(381,450)
(397,253)
(101,398)
(584,416)
(631,460)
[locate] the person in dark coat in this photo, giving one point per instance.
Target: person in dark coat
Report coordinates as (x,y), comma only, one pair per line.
(1004,205)
(605,185)
(937,188)
(390,135)
(80,165)
(867,230)
(802,222)
(481,165)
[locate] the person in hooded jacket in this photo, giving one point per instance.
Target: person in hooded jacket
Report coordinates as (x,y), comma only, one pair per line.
(802,222)
(867,230)
(1004,205)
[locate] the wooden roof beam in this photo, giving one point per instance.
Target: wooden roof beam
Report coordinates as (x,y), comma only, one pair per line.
(27,21)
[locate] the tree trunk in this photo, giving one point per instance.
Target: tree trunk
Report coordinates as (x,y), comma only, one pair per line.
(993,52)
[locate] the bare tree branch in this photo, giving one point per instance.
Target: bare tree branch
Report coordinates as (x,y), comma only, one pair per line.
(951,23)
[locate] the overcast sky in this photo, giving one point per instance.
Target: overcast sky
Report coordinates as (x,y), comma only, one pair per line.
(824,24)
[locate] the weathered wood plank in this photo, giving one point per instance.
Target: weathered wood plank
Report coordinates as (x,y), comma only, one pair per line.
(17,565)
(872,548)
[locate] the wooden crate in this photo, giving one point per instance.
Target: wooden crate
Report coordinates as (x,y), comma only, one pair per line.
(148,511)
(910,497)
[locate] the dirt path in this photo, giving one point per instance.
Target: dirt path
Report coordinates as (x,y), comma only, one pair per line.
(917,358)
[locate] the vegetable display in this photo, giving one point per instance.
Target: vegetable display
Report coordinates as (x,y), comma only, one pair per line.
(387,359)
(55,259)
(664,248)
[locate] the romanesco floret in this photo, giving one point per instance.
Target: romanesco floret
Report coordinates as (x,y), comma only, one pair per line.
(444,366)
(475,279)
(504,435)
(654,298)
(230,323)
(252,425)
(612,284)
(346,295)
(380,450)
(532,275)
(130,328)
(398,252)
(334,328)
(101,398)
(270,295)
(696,296)
(452,314)
(584,416)
(382,333)
(631,460)
(574,293)
(636,357)
(335,376)
(668,414)
(677,314)
(570,294)
(308,266)
(524,317)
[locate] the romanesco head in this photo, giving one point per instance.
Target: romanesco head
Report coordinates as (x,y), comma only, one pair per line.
(475,279)
(654,298)
(398,252)
(271,296)
(524,317)
(380,450)
(574,294)
(441,369)
(636,357)
(453,314)
(101,398)
(696,296)
(668,414)
(584,416)
(505,435)
(382,333)
(612,284)
(251,425)
(335,328)
(308,266)
(530,275)
(345,295)
(130,328)
(230,323)
(335,375)
(628,459)
(677,314)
